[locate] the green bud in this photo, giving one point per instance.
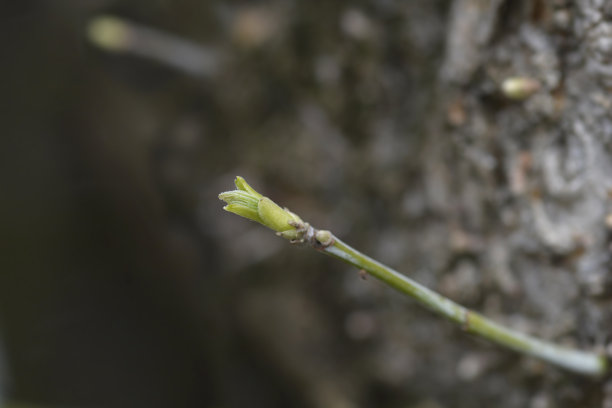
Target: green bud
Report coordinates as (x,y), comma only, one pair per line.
(243,211)
(240,198)
(241,184)
(295,217)
(324,237)
(274,217)
(248,203)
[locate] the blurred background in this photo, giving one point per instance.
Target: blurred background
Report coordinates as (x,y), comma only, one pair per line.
(467,143)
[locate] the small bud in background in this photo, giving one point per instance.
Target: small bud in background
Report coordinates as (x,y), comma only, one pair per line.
(609,221)
(252,26)
(109,33)
(519,88)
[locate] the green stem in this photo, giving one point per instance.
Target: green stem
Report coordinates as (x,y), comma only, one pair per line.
(574,360)
(248,203)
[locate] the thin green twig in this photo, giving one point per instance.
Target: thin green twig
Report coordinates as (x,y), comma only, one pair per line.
(261,209)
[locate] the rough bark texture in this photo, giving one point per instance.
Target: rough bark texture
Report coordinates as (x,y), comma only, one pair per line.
(125,285)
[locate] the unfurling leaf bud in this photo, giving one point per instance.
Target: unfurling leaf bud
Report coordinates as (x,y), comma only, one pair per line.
(248,203)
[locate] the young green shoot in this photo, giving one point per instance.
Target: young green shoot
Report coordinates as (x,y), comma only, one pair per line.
(248,203)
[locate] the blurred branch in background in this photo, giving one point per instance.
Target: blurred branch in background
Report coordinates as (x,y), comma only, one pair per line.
(117,35)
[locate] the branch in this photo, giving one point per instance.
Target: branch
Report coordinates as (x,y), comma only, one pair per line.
(248,203)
